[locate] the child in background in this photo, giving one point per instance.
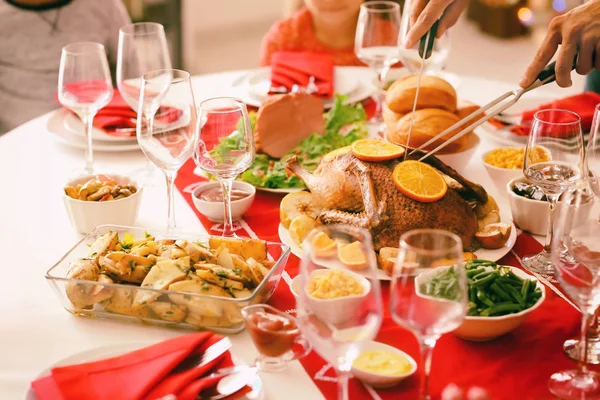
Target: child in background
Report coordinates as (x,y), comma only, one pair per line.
(324,26)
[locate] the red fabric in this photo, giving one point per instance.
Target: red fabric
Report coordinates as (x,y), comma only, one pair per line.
(147,374)
(517,365)
(583,104)
(295,68)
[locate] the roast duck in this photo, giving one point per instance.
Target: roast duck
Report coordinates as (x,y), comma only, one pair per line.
(363,194)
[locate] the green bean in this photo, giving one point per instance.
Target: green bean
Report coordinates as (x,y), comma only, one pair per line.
(484,298)
(516,295)
(525,288)
(504,308)
(474,272)
(485,280)
(500,292)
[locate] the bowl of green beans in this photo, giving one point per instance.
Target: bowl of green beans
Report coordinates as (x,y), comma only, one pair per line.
(499,299)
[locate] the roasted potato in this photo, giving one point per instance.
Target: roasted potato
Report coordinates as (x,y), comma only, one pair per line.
(387,259)
(247,248)
(161,276)
(168,311)
(103,245)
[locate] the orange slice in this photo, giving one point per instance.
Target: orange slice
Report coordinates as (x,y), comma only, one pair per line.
(419,181)
(322,244)
(337,152)
(376,150)
(353,256)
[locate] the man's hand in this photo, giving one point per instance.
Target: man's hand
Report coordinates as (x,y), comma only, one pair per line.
(424,13)
(577,32)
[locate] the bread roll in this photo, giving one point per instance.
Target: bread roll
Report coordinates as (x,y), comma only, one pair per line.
(434,93)
(464,108)
(428,123)
(390,117)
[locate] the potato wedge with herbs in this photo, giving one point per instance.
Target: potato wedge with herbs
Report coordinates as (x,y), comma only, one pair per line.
(145,249)
(168,311)
(219,280)
(80,294)
(198,306)
(387,259)
(240,264)
(195,251)
(233,274)
(247,248)
(163,274)
(120,302)
(202,321)
(256,270)
(103,245)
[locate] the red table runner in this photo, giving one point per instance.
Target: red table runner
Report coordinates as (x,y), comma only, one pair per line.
(515,366)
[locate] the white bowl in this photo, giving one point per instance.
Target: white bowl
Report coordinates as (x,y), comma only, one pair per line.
(214,211)
(500,176)
(86,215)
(380,380)
(480,329)
(337,310)
(532,215)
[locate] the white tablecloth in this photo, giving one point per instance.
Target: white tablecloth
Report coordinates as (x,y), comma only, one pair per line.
(35,231)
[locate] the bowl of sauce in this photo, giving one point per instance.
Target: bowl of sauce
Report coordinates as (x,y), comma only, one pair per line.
(208,200)
(381,365)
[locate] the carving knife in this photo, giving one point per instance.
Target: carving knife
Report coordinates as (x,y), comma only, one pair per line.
(425,50)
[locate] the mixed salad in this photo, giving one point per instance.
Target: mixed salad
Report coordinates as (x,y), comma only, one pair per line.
(344,124)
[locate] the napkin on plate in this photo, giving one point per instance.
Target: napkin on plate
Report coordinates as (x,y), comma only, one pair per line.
(149,373)
(583,104)
(295,68)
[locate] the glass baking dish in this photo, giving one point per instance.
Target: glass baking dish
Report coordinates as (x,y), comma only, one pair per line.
(218,314)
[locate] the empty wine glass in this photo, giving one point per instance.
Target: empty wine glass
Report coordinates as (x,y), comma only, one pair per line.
(410,56)
(429,290)
(166,125)
(377,44)
(142,48)
(339,309)
(592,167)
(224,120)
(85,86)
(553,160)
(576,260)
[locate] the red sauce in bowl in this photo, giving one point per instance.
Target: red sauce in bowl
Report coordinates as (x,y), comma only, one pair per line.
(273,335)
(216,195)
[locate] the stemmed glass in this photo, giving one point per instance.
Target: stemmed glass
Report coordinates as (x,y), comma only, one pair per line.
(377,44)
(142,48)
(166,125)
(338,324)
(429,259)
(224,119)
(592,168)
(85,86)
(553,160)
(410,56)
(576,259)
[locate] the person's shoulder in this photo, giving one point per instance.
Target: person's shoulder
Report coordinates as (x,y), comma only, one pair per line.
(104,8)
(292,26)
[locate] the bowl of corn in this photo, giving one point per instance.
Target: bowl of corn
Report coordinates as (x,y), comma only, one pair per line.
(506,163)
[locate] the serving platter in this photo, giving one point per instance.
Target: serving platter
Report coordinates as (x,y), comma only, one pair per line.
(484,254)
(116,350)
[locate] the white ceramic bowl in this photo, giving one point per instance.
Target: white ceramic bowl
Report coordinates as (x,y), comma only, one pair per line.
(532,215)
(481,329)
(214,210)
(334,311)
(500,176)
(86,215)
(380,380)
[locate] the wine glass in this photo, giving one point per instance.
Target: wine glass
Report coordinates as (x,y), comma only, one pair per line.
(339,308)
(142,48)
(429,290)
(553,160)
(377,44)
(166,125)
(224,120)
(592,167)
(410,56)
(576,259)
(85,86)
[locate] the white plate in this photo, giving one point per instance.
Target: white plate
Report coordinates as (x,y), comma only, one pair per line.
(74,125)
(347,82)
(484,254)
(103,352)
(56,125)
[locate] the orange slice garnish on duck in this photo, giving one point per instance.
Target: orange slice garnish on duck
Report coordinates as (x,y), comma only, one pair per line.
(376,150)
(419,181)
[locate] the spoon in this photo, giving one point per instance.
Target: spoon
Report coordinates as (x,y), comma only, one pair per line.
(234,382)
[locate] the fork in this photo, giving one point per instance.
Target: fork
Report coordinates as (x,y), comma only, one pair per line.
(212,353)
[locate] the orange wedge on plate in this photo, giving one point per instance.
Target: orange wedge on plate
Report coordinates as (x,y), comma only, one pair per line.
(353,256)
(419,181)
(322,245)
(376,150)
(337,152)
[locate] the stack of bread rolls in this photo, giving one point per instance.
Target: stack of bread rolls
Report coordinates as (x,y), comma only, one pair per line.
(437,110)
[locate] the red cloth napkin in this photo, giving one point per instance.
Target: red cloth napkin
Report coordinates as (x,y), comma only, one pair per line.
(295,68)
(149,373)
(583,104)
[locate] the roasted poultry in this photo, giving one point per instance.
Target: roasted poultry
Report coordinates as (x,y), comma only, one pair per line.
(363,194)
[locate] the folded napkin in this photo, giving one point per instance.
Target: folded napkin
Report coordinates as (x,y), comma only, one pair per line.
(166,368)
(583,104)
(295,68)
(118,115)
